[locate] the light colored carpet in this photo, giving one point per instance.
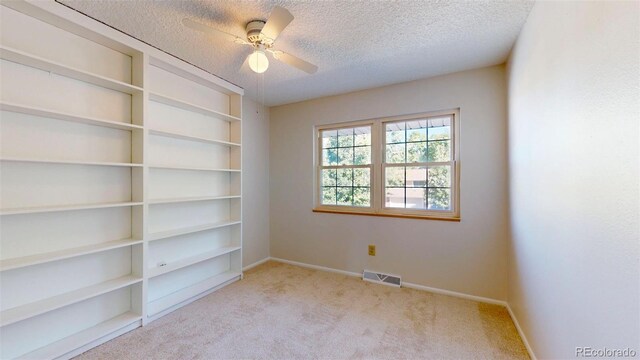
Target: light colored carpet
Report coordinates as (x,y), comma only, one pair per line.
(281,311)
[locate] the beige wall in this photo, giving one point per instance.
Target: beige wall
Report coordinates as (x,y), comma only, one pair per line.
(574,110)
(255,181)
(467,257)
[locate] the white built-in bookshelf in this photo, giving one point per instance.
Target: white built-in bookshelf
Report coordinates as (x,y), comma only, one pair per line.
(120,182)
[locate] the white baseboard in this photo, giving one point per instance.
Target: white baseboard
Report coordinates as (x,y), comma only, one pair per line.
(317,267)
(404,284)
(454,294)
(259,262)
(522,336)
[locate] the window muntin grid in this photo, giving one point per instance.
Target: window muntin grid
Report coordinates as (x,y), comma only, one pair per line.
(345,174)
(418,170)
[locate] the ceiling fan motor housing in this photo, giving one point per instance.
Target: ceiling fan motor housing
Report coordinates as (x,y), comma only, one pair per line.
(253,31)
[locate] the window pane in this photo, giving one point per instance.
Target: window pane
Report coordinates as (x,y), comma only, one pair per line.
(345,156)
(362,136)
(439,176)
(416,198)
(439,128)
(329,139)
(417,152)
(361,197)
(416,177)
(439,199)
(395,132)
(361,177)
(329,157)
(345,137)
(439,133)
(395,153)
(328,196)
(345,177)
(439,151)
(329,177)
(394,176)
(394,198)
(362,155)
(344,196)
(350,146)
(416,130)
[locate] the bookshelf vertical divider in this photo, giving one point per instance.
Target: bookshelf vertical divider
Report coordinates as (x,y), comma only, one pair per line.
(121,173)
(139,153)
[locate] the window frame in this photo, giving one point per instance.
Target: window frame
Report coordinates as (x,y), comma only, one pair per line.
(319,167)
(378,167)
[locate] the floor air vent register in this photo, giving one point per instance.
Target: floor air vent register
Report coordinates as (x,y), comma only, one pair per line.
(381,278)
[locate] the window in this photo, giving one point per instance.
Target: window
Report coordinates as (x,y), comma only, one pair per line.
(405,166)
(346,167)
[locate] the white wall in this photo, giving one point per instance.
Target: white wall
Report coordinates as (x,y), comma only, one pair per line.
(467,257)
(574,110)
(255,185)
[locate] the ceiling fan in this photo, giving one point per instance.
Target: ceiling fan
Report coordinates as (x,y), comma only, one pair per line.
(260,35)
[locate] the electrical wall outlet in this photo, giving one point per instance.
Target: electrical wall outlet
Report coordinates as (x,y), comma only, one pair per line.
(372,250)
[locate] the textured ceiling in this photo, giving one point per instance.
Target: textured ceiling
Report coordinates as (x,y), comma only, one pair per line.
(356,44)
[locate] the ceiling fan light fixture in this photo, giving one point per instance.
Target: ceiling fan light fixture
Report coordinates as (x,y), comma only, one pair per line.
(258,61)
(261,36)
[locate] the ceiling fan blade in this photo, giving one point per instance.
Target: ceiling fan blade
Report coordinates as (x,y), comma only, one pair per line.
(278,20)
(294,61)
(213,32)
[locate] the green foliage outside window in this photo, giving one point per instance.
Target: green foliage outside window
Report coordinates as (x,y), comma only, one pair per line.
(413,142)
(427,143)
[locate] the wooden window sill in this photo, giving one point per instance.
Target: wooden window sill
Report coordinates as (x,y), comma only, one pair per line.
(404,216)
